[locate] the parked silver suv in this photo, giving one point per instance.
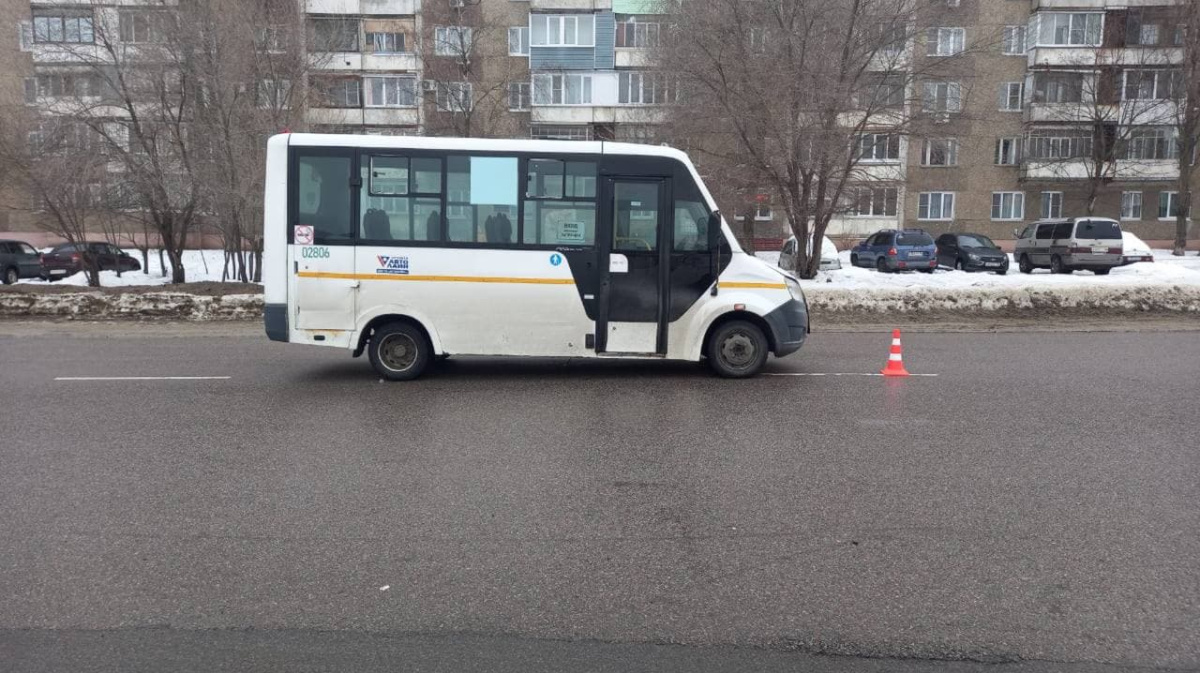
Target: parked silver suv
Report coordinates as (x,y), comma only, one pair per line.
(1064,245)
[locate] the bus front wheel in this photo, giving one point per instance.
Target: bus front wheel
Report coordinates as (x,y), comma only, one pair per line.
(399,351)
(737,349)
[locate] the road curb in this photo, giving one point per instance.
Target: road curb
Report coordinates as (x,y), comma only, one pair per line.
(140,305)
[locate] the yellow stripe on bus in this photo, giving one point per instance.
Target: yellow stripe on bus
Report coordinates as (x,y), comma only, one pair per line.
(441,279)
(753,286)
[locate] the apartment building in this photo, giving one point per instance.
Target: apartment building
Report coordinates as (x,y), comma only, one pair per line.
(1050,105)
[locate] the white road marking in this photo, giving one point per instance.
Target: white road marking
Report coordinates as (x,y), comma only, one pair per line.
(835,374)
(141,378)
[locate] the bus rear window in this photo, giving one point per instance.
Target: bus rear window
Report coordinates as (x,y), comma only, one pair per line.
(323,192)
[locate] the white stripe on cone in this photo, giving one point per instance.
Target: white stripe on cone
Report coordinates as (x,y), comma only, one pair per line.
(895,342)
(894,357)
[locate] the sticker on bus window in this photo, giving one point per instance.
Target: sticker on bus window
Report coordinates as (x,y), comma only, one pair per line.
(570,232)
(303,234)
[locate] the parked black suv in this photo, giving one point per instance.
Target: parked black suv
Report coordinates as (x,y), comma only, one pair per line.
(971,252)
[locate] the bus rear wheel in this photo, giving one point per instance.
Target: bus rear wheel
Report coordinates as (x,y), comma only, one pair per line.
(399,351)
(737,349)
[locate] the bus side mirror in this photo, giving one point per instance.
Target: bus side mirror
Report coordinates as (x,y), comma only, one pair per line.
(714,230)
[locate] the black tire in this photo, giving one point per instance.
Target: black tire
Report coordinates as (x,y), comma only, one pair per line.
(1001,272)
(737,349)
(853,260)
(399,351)
(925,270)
(11,275)
(1024,265)
(1101,272)
(1057,266)
(959,266)
(881,265)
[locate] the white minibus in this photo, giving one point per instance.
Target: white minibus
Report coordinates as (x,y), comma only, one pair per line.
(417,249)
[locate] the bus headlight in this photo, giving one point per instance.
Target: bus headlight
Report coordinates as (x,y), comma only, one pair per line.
(793,287)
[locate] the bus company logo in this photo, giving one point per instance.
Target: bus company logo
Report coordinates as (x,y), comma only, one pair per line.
(395,265)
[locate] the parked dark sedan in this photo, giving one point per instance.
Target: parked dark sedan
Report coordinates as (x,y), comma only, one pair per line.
(18,260)
(971,252)
(67,259)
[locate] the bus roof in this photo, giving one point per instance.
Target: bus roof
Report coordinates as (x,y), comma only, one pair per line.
(480,144)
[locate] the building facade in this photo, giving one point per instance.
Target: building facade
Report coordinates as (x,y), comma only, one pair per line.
(1055,104)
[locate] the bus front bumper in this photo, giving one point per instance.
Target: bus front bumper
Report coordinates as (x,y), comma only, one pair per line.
(789,326)
(275,319)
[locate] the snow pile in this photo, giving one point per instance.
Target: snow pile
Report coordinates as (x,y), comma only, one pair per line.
(199,266)
(1008,301)
(98,305)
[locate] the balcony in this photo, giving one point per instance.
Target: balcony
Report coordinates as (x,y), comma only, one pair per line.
(1083,169)
(336,60)
(44,52)
(387,62)
(369,7)
(632,57)
(1070,113)
(570,5)
(364,116)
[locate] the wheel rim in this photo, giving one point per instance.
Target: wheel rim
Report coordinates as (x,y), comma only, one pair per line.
(11,276)
(1056,265)
(398,352)
(881,265)
(738,350)
(1024,264)
(958,265)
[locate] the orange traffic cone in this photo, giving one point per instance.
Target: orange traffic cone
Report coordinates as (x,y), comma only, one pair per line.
(895,364)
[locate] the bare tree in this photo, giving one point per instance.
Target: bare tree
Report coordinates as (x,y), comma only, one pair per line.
(57,163)
(1186,109)
(464,60)
(790,88)
(246,64)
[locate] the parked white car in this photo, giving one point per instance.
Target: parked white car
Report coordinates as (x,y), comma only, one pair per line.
(829,254)
(1135,249)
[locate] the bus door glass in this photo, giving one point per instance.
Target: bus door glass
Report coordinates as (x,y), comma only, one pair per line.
(635,262)
(321,234)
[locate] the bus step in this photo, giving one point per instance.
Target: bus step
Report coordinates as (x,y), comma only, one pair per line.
(632,355)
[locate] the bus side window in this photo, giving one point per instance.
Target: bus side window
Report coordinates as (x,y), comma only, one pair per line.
(323,191)
(691,226)
(401,199)
(560,203)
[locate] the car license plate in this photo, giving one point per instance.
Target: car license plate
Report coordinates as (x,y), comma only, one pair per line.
(992,263)
(1096,250)
(916,255)
(58,272)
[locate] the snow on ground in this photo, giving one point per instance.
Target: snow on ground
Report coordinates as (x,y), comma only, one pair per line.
(199,265)
(1166,269)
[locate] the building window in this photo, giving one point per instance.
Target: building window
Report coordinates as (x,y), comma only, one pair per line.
(274,93)
(63,85)
(940,152)
(1058,87)
(518,96)
(546,132)
(1063,29)
(1060,147)
(1168,205)
(271,39)
(385,43)
(1131,205)
(1014,40)
(944,41)
(1011,95)
(562,89)
(935,206)
(144,27)
(1008,151)
(334,35)
(63,27)
(1008,205)
(1052,204)
(452,41)
(1152,143)
(873,201)
(941,97)
(877,147)
(338,93)
(1152,84)
(571,30)
(384,91)
(455,97)
(884,93)
(518,41)
(634,33)
(644,88)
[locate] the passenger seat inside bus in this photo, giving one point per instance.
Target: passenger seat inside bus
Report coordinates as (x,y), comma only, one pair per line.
(376,225)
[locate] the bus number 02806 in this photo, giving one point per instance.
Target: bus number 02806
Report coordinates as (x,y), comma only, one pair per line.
(314,252)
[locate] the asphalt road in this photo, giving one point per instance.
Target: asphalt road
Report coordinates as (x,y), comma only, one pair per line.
(1035,506)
